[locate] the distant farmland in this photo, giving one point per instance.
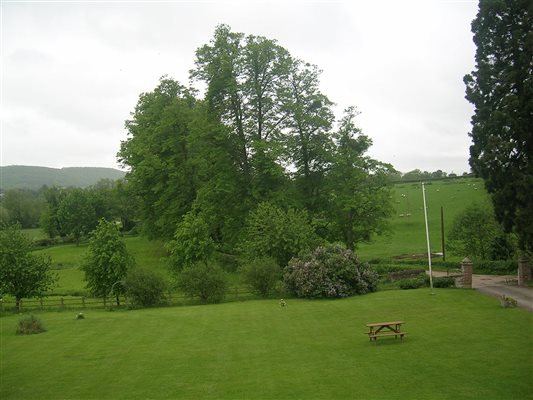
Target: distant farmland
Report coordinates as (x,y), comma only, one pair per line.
(407,235)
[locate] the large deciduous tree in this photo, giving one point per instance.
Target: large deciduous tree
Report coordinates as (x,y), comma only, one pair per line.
(357,184)
(501,90)
(156,151)
(264,133)
(22,274)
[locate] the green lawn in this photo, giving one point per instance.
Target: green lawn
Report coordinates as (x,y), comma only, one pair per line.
(460,345)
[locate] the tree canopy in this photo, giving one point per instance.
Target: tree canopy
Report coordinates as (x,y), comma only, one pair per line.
(263,133)
(501,90)
(22,274)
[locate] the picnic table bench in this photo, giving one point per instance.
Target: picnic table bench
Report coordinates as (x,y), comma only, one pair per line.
(381,329)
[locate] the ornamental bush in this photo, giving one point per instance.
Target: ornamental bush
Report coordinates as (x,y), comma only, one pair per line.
(329,271)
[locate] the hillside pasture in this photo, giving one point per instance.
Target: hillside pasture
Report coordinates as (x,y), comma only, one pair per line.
(460,345)
(407,235)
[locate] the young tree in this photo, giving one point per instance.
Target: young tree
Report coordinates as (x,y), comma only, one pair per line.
(358,185)
(501,90)
(156,150)
(473,232)
(192,243)
(76,214)
(107,261)
(22,274)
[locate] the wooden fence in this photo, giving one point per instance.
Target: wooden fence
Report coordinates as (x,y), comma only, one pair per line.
(62,303)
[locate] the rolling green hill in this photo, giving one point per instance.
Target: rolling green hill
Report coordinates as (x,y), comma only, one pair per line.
(28,177)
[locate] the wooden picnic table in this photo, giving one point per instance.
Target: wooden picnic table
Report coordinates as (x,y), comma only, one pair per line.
(380,329)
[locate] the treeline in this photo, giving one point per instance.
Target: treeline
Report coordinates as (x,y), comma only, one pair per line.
(418,175)
(69,212)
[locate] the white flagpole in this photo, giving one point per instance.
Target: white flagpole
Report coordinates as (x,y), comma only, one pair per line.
(427,236)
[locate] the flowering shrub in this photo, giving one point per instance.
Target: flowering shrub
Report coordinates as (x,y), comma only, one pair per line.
(328,271)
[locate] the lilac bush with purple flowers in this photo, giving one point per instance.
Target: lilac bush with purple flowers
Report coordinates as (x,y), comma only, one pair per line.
(329,271)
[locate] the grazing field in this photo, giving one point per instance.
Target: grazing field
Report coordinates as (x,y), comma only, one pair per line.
(67,259)
(407,234)
(460,345)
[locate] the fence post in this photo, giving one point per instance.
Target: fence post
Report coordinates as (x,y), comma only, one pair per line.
(466,266)
(524,271)
(105,303)
(83,302)
(41,301)
(62,302)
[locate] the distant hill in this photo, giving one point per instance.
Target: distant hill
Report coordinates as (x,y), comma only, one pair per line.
(26,177)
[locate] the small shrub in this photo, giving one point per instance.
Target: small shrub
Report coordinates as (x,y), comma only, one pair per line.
(262,275)
(413,283)
(404,274)
(329,271)
(208,282)
(80,316)
(30,325)
(145,287)
(443,282)
(495,267)
(507,301)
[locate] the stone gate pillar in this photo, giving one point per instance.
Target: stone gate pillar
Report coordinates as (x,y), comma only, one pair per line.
(466,266)
(524,271)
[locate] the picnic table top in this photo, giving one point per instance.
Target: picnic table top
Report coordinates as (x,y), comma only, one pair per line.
(385,323)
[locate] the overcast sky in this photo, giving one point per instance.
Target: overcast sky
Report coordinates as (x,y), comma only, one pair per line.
(72,71)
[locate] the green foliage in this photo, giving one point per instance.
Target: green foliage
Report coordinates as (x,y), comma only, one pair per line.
(22,274)
(500,88)
(23,207)
(329,271)
(472,233)
(145,287)
(443,282)
(107,261)
(358,186)
(273,232)
(156,150)
(263,134)
(192,242)
(495,267)
(261,275)
(422,280)
(30,325)
(76,214)
(413,283)
(502,247)
(208,282)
